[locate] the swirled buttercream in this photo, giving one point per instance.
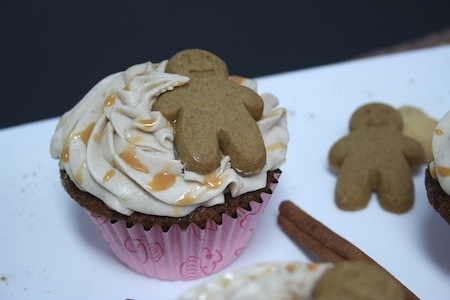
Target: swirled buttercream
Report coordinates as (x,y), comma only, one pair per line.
(113,146)
(440,166)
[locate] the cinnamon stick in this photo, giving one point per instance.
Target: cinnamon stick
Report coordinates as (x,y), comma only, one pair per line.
(305,240)
(324,243)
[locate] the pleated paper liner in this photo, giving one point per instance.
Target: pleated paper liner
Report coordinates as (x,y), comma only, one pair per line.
(183,255)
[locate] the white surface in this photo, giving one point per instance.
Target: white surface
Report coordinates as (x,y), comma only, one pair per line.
(49,249)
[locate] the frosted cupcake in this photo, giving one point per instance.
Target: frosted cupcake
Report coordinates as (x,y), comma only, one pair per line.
(164,215)
(437,176)
(296,280)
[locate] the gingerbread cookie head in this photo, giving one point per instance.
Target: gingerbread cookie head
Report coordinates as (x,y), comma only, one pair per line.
(376,115)
(197,64)
(212,116)
(375,157)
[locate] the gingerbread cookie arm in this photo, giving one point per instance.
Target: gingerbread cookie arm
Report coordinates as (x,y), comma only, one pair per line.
(168,104)
(252,102)
(338,152)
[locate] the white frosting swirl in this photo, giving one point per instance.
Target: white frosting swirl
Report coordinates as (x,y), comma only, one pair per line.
(112,145)
(440,166)
(269,281)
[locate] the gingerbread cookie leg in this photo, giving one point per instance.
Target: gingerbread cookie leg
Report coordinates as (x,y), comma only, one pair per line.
(244,151)
(394,197)
(199,155)
(353,189)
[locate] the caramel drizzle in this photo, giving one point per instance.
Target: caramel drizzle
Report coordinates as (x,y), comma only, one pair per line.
(84,135)
(65,149)
(110,100)
(162,181)
(276,146)
(211,182)
(79,173)
(108,175)
(443,171)
(135,139)
(130,158)
(147,123)
(186,199)
(439,132)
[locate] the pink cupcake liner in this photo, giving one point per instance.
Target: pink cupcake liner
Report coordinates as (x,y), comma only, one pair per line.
(178,254)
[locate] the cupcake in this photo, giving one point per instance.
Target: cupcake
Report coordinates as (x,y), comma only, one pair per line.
(174,162)
(296,280)
(437,175)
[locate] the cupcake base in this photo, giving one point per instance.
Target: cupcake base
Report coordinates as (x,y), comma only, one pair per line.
(437,197)
(200,244)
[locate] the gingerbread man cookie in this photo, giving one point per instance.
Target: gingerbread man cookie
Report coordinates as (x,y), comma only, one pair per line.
(419,126)
(212,115)
(375,156)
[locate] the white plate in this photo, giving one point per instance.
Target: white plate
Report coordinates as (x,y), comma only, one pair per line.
(50,249)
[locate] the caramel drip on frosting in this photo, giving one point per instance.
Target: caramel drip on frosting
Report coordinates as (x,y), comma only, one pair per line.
(85,134)
(162,181)
(443,171)
(135,139)
(110,100)
(186,199)
(149,123)
(129,156)
(65,149)
(108,175)
(276,146)
(212,182)
(79,173)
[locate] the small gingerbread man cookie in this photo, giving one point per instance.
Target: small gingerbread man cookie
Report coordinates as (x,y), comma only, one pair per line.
(375,156)
(212,115)
(419,126)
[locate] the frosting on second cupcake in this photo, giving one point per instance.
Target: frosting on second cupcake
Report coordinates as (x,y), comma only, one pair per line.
(440,166)
(112,145)
(269,280)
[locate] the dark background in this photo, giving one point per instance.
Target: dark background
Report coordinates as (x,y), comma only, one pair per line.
(53,52)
